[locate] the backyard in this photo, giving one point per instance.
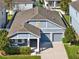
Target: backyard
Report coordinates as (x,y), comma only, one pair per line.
(20,57)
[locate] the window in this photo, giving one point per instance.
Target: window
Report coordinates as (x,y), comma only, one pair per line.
(19,40)
(12,41)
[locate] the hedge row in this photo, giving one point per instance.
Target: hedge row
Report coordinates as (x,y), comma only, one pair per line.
(18,50)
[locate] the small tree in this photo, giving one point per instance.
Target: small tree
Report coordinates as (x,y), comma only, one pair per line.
(3,39)
(65,5)
(70,34)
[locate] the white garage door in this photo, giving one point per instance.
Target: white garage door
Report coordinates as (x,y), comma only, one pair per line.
(57,37)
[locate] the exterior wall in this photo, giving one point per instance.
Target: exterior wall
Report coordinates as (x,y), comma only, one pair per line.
(54,4)
(48,27)
(74,0)
(22,6)
(24,37)
(44,24)
(3,19)
(74,18)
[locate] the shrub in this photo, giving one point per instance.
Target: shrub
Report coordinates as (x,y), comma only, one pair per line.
(3,39)
(69,34)
(65,40)
(25,50)
(12,50)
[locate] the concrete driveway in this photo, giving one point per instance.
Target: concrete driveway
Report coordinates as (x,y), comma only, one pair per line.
(57,52)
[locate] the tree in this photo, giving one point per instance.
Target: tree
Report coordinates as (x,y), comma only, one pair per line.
(70,34)
(8,4)
(3,39)
(65,5)
(39,3)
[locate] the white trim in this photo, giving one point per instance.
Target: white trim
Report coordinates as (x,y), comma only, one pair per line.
(45,20)
(38,43)
(28,42)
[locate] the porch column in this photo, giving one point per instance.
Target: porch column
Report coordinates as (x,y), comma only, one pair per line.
(28,42)
(38,46)
(54,3)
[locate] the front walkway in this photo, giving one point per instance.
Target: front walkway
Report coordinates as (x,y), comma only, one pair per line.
(57,52)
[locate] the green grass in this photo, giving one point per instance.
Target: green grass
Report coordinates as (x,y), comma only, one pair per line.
(9,17)
(67,17)
(20,57)
(72,51)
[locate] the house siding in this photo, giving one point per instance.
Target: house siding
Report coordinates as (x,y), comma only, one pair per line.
(48,29)
(3,19)
(23,6)
(74,18)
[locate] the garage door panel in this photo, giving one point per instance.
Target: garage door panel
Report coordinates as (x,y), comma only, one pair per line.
(57,37)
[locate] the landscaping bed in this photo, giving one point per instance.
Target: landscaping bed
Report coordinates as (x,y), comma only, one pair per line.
(20,57)
(72,51)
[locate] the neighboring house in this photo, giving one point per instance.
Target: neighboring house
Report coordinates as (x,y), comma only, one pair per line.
(36,27)
(74,13)
(22,4)
(52,3)
(3,19)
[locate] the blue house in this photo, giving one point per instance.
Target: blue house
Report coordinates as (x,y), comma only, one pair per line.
(36,28)
(74,13)
(3,18)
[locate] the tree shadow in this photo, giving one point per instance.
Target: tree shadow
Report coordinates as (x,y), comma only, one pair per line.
(45,42)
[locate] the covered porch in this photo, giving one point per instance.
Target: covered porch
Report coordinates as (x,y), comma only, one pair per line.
(24,40)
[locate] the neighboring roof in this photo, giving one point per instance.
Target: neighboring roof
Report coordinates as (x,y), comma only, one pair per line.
(36,13)
(75,5)
(23,1)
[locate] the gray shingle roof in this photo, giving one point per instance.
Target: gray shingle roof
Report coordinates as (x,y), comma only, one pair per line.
(75,5)
(36,13)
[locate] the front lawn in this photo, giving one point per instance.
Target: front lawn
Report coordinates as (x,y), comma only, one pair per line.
(72,51)
(20,57)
